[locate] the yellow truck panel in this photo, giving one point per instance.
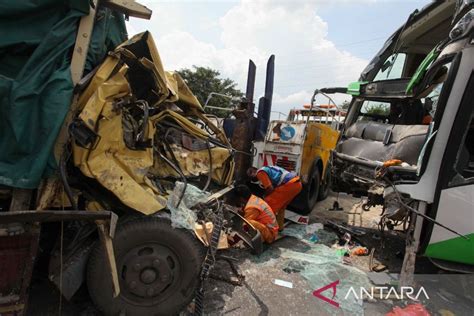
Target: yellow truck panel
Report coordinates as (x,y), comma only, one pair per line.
(319,141)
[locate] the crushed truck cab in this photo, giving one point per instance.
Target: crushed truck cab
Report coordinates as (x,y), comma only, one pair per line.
(136,118)
(132,144)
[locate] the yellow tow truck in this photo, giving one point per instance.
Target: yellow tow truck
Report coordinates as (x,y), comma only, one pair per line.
(303,143)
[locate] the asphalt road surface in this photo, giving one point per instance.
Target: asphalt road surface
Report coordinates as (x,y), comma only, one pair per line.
(259,295)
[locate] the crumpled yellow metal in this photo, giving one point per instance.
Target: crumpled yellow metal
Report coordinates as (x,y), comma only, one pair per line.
(124,171)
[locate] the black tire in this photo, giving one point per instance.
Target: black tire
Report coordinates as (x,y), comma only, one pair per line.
(158,268)
(325,185)
(305,201)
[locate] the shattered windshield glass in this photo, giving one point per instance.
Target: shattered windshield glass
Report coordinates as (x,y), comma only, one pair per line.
(392,68)
(430,95)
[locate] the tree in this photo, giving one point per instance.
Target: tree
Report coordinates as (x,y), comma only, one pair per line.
(381,109)
(204,80)
(345,105)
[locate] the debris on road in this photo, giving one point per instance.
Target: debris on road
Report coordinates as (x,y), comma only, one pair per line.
(296,218)
(410,310)
(310,233)
(335,207)
(313,228)
(359,251)
(180,201)
(344,228)
(283,283)
(320,265)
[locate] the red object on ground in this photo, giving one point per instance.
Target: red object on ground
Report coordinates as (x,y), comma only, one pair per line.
(410,310)
(360,251)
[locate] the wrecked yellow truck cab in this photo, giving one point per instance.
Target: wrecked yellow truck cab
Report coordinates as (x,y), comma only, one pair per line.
(141,144)
(133,128)
(137,162)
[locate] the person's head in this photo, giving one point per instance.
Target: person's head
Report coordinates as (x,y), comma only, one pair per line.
(252,173)
(243,194)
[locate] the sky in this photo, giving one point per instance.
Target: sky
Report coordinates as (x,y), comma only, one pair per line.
(316,43)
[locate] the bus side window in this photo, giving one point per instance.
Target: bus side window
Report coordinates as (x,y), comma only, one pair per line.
(464,165)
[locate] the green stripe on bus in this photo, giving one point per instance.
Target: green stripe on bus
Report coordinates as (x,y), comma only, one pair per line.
(457,249)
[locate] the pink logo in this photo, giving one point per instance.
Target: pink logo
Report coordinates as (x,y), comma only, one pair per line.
(317,293)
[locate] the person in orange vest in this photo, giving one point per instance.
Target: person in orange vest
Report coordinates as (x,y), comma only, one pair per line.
(258,213)
(281,187)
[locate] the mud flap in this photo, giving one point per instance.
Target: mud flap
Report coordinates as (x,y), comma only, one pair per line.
(73,271)
(106,233)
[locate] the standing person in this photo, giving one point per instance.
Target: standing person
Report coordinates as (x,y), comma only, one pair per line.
(281,187)
(258,213)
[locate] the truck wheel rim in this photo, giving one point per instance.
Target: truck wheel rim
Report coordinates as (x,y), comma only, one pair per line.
(148,274)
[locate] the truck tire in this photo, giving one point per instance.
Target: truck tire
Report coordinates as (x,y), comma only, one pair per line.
(158,268)
(308,197)
(326,185)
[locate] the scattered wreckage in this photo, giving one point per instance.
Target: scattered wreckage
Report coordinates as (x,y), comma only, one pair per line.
(407,141)
(135,141)
(135,151)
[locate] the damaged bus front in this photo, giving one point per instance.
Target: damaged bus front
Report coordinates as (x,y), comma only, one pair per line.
(408,136)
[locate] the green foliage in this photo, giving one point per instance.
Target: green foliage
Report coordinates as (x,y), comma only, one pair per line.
(345,105)
(382,109)
(204,80)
